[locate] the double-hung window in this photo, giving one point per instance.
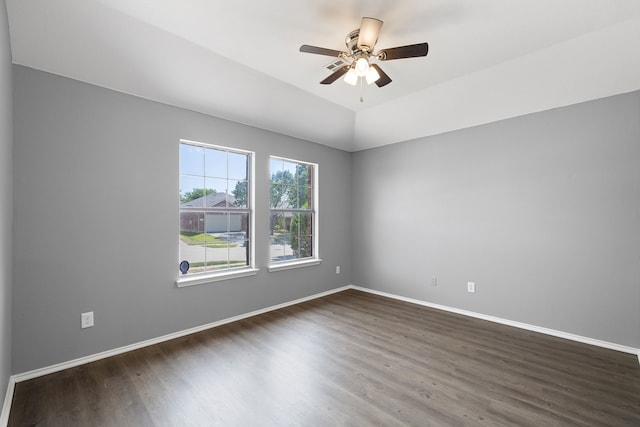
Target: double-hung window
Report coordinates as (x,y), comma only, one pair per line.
(215,203)
(293,213)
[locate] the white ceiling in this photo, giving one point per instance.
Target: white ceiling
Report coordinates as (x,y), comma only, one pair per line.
(488,59)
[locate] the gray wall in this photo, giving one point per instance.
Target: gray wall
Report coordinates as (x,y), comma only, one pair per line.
(541,211)
(6,191)
(96,220)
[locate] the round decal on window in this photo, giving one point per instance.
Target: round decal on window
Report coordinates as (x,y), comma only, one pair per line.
(184,267)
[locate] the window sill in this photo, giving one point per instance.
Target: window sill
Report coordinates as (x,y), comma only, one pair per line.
(182,282)
(295,264)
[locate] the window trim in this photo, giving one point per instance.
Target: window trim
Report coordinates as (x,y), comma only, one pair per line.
(290,265)
(233,273)
(209,277)
(302,262)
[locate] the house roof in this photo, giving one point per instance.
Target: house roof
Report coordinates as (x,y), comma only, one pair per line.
(210,201)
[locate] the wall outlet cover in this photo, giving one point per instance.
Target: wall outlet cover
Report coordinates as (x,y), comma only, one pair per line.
(471,287)
(86,320)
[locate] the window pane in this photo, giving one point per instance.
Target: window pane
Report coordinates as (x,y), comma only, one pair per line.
(217,227)
(279,223)
(276,198)
(303,201)
(288,252)
(191,222)
(291,191)
(300,235)
(238,240)
(217,259)
(303,174)
(238,226)
(216,193)
(217,223)
(280,249)
(275,166)
(279,230)
(191,191)
(306,247)
(192,243)
(289,168)
(282,176)
(191,160)
(290,197)
(215,164)
(217,181)
(237,166)
(217,256)
(238,196)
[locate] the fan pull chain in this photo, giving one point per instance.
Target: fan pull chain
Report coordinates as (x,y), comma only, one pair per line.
(361,89)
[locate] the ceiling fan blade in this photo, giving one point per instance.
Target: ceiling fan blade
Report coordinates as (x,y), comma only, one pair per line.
(384,78)
(320,50)
(336,75)
(410,51)
(368,33)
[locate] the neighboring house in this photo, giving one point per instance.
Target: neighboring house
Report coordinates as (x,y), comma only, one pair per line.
(210,222)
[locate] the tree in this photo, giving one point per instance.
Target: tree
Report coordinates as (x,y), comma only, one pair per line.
(281,184)
(195,194)
(240,194)
(300,235)
(302,184)
(289,191)
(290,194)
(300,228)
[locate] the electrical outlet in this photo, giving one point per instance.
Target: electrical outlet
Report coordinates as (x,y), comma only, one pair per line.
(337,269)
(434,281)
(471,287)
(86,320)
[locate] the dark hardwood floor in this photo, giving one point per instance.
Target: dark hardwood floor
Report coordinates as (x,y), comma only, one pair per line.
(347,359)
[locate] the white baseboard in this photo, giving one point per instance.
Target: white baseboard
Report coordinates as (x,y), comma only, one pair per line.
(92,358)
(526,326)
(8,399)
(4,416)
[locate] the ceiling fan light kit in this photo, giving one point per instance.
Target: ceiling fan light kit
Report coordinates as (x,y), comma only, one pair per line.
(368,33)
(362,66)
(359,55)
(351,77)
(372,75)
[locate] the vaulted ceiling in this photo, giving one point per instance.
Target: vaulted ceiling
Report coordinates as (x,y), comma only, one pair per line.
(239,60)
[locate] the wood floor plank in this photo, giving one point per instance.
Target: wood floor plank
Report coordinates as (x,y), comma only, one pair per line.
(347,359)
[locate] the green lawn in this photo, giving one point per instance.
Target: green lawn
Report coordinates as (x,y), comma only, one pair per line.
(204,239)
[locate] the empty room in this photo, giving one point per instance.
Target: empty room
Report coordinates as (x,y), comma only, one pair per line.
(320,213)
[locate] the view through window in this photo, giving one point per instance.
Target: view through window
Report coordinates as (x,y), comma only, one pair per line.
(215,211)
(292,210)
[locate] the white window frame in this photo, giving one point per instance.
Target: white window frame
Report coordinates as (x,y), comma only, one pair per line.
(250,269)
(315,259)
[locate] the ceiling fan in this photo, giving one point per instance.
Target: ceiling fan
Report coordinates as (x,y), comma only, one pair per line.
(359,55)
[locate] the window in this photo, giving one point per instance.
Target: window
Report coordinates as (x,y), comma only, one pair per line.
(293,213)
(215,212)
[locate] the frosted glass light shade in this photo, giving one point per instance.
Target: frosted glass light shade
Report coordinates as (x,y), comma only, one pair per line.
(372,75)
(351,77)
(369,30)
(362,67)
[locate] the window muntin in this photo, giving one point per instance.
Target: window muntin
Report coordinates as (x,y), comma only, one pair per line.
(215,208)
(292,210)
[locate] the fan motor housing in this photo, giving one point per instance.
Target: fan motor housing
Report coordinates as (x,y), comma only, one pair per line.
(352,43)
